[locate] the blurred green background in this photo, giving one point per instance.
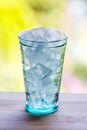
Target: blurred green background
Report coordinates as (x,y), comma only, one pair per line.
(67,15)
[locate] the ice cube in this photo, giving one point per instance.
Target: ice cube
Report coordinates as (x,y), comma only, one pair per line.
(37,77)
(30,75)
(31,87)
(36,55)
(26,63)
(48,95)
(35,100)
(41,71)
(46,82)
(53,64)
(32,82)
(51,34)
(29,54)
(36,34)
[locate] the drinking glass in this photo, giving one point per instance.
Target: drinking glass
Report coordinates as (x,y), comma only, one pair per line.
(42,51)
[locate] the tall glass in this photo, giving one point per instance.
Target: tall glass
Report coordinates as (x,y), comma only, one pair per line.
(42,59)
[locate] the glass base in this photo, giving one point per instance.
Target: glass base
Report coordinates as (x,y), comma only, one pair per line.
(41,111)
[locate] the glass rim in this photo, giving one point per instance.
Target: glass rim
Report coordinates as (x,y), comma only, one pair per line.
(21,39)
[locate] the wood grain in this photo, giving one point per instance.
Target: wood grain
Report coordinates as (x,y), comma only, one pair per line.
(72,114)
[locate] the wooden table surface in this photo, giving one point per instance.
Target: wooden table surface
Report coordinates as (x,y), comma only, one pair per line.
(72,114)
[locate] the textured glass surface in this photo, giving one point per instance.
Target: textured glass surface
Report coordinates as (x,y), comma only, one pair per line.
(42,70)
